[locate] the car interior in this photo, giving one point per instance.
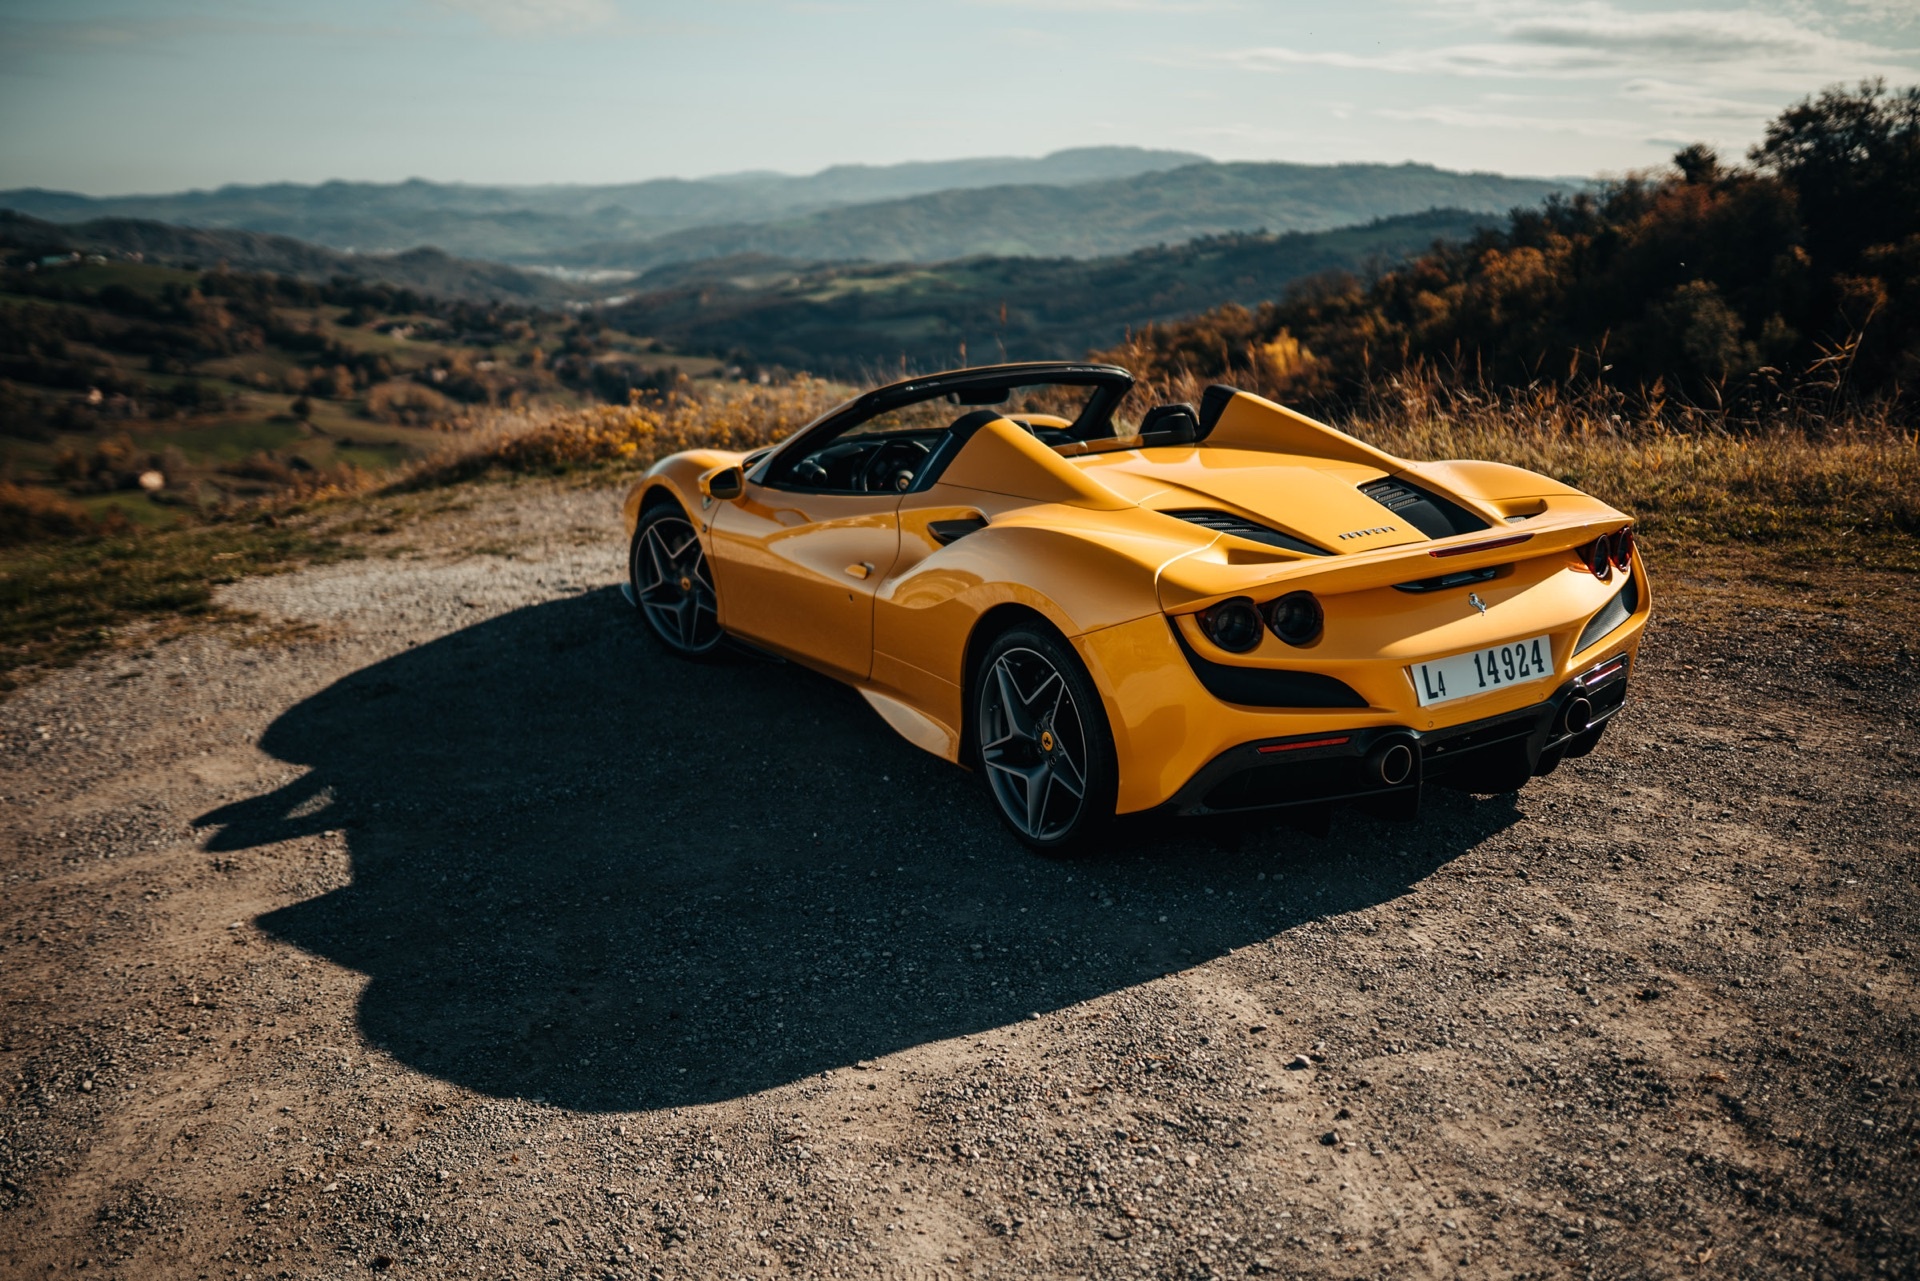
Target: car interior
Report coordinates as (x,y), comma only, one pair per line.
(889,450)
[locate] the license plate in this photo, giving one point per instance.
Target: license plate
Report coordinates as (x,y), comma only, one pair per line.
(1495,667)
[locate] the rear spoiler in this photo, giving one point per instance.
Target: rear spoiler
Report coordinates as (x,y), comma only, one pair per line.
(1207,575)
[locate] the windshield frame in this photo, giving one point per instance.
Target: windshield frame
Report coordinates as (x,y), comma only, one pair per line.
(1110,385)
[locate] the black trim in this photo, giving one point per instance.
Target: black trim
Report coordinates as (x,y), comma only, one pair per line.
(1111,382)
(1618,609)
(1266,686)
(1245,778)
(1241,527)
(952,531)
(1459,578)
(1430,513)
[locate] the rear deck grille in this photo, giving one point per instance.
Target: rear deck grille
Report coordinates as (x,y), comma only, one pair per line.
(1432,515)
(1241,527)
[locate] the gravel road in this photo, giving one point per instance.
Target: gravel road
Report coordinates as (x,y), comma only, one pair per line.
(433,922)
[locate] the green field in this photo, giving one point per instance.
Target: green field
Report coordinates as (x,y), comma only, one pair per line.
(235,387)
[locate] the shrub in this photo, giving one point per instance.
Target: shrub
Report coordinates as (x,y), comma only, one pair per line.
(29,514)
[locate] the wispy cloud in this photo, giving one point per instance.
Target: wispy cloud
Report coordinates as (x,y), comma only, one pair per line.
(1470,118)
(1114,6)
(534,17)
(1596,40)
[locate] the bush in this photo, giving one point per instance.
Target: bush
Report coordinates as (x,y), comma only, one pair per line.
(29,514)
(644,430)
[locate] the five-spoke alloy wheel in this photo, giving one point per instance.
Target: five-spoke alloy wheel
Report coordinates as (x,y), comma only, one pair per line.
(671,583)
(1043,741)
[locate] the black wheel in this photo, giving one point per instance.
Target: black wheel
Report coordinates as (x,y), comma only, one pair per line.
(1044,743)
(672,586)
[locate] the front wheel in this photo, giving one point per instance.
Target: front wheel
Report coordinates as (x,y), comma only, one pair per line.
(672,586)
(1044,743)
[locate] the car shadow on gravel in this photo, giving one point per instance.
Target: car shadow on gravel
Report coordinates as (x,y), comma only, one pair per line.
(587,873)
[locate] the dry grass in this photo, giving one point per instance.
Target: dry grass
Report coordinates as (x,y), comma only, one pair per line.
(637,434)
(1839,483)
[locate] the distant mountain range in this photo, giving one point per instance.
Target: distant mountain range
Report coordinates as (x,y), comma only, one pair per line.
(531,224)
(1080,203)
(862,320)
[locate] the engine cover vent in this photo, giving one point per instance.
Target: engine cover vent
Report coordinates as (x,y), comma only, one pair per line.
(1432,515)
(1241,527)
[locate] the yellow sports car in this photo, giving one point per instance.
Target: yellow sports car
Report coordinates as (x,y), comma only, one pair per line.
(1108,608)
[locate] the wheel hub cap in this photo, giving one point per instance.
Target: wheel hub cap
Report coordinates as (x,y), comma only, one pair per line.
(673,587)
(1032,744)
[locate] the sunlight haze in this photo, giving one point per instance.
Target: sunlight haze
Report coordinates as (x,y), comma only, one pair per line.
(106,96)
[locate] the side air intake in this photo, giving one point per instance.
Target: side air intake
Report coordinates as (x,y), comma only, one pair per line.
(1241,527)
(1432,515)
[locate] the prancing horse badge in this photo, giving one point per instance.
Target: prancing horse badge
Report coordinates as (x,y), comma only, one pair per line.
(1473,599)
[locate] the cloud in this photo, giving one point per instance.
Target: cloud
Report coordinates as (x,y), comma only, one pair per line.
(531,17)
(1595,40)
(1470,118)
(1689,102)
(1114,6)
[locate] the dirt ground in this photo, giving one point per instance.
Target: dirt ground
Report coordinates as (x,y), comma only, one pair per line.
(434,923)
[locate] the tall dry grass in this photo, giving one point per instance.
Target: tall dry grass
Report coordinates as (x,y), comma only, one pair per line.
(636,434)
(1810,474)
(1801,465)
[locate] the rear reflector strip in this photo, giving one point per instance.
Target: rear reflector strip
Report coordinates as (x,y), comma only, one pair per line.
(1312,742)
(1487,546)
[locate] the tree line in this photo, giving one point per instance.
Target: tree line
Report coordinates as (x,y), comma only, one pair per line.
(1710,281)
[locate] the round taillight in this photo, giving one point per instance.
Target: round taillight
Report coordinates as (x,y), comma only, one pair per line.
(1296,618)
(1621,549)
(1233,625)
(1599,555)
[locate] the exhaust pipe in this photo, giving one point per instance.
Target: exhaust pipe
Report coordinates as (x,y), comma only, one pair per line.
(1578,716)
(1391,762)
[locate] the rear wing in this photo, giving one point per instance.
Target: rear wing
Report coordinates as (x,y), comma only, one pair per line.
(1218,571)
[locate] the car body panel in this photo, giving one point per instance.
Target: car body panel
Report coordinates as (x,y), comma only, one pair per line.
(1085,543)
(796,573)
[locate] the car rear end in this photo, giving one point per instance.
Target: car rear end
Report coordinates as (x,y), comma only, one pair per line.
(1477,660)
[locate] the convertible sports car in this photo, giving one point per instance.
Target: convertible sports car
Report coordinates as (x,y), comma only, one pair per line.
(1108,608)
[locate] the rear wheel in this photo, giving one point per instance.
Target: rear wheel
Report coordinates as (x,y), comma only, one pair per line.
(1044,743)
(672,586)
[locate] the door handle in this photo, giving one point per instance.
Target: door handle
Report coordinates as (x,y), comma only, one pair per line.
(861,570)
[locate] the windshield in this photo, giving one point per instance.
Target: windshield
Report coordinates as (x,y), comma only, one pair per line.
(898,438)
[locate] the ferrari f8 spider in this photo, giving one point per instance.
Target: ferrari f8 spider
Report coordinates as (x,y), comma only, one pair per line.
(1107,609)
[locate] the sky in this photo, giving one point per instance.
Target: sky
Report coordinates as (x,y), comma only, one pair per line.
(121,96)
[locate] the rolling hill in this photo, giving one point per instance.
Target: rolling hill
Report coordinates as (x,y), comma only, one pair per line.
(163,244)
(855,319)
(529,224)
(1085,203)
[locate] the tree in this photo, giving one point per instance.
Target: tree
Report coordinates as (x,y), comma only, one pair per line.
(1853,160)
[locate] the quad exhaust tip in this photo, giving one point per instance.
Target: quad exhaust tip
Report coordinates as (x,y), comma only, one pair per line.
(1578,717)
(1391,762)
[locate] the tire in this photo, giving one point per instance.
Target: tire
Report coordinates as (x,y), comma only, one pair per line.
(1043,742)
(671,584)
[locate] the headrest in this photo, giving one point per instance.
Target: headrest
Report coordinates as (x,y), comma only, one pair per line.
(1177,421)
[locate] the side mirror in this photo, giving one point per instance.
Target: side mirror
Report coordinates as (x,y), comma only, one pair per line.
(724,483)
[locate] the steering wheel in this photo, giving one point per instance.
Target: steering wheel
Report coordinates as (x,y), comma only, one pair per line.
(892,466)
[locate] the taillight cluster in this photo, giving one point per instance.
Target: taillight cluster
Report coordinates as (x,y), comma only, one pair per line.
(1609,552)
(1234,625)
